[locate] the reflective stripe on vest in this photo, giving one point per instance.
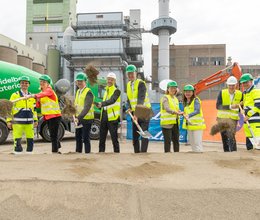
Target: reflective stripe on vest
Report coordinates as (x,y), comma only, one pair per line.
(132,95)
(113,111)
(80,102)
(232,113)
(167,118)
(197,121)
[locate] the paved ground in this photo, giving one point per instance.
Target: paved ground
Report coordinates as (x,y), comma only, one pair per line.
(68,145)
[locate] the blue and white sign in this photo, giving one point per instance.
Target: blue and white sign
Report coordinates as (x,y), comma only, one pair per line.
(154,127)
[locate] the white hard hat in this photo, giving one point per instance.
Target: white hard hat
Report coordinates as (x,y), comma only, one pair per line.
(111,75)
(232,80)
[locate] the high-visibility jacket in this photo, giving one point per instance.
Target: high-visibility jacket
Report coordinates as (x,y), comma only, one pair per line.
(232,113)
(195,122)
(50,106)
(167,118)
(80,102)
(132,94)
(251,102)
(23,111)
(113,111)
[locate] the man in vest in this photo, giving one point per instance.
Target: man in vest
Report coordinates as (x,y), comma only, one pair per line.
(227,106)
(251,105)
(110,114)
(137,94)
(85,113)
(24,117)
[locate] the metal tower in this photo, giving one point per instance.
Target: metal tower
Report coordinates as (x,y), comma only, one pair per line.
(163,27)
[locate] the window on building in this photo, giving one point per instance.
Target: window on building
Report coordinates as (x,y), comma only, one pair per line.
(217,61)
(46,1)
(199,61)
(99,16)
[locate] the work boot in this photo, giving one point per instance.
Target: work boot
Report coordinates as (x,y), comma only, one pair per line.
(29,144)
(18,146)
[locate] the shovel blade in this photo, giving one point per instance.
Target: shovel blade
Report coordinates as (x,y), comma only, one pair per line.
(145,134)
(78,126)
(255,142)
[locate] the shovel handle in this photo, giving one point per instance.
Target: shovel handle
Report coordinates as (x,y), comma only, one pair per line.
(136,123)
(19,99)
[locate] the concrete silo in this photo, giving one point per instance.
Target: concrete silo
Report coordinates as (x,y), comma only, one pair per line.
(25,61)
(53,63)
(8,54)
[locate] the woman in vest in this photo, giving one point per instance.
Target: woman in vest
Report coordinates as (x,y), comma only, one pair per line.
(169,109)
(193,118)
(228,109)
(47,100)
(84,113)
(110,114)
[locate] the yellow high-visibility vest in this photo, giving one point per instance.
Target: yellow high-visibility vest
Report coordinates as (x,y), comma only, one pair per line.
(80,101)
(23,112)
(113,111)
(132,94)
(253,112)
(231,113)
(195,122)
(167,118)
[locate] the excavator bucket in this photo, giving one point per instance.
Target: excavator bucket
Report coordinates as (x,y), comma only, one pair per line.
(236,71)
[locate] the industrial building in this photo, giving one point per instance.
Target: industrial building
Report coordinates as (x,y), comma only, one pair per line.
(14,52)
(109,41)
(191,63)
(46,18)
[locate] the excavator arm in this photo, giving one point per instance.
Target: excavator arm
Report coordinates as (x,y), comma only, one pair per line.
(217,78)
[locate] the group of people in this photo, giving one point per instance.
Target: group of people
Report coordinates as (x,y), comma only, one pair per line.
(24,116)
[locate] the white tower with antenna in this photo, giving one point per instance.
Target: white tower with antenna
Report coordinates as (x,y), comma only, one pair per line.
(163,27)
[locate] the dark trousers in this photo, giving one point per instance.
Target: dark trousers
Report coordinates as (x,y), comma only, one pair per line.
(53,126)
(144,141)
(112,127)
(82,136)
(171,135)
(249,145)
(229,139)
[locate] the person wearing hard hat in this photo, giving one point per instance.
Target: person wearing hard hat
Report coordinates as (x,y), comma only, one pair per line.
(24,117)
(193,118)
(48,101)
(110,114)
(137,94)
(84,113)
(251,106)
(169,109)
(228,109)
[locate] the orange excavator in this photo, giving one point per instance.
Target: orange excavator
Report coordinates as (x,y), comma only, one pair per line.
(219,77)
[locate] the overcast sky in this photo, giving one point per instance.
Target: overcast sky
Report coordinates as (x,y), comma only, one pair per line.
(235,23)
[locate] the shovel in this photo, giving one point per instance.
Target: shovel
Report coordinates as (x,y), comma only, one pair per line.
(7,105)
(254,140)
(144,134)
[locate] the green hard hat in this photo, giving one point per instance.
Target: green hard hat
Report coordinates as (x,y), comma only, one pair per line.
(131,68)
(24,78)
(81,76)
(188,88)
(172,84)
(246,77)
(46,78)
